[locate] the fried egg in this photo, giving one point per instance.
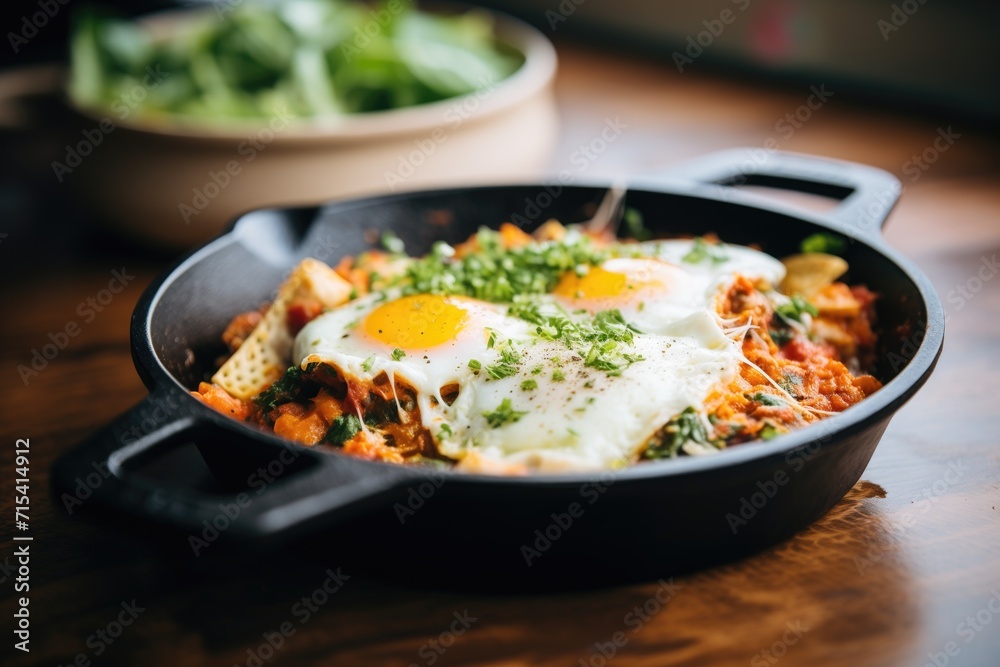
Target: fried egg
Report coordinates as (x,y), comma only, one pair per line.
(658,288)
(551,410)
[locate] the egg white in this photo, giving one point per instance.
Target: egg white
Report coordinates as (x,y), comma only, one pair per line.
(587,421)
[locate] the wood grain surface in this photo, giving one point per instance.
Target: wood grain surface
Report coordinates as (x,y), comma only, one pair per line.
(904,571)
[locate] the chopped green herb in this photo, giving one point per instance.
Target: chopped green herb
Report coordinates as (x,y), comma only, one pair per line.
(781,337)
(831,244)
(393,243)
(509,358)
(285,389)
(528,385)
(683,428)
(634,224)
(557,375)
(765,399)
(343,429)
(794,309)
(504,414)
(398,354)
(601,341)
(537,370)
(445,431)
(497,274)
(791,383)
(367,364)
(475,364)
(768,432)
(500,371)
(703,250)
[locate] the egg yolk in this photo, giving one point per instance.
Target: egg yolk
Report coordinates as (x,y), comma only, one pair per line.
(598,283)
(622,282)
(419,321)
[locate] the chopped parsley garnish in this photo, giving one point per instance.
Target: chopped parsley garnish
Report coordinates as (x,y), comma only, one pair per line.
(283,390)
(398,354)
(765,399)
(827,242)
(703,250)
(537,370)
(393,243)
(683,428)
(445,431)
(509,358)
(791,383)
(504,414)
(634,224)
(781,337)
(794,309)
(343,429)
(528,385)
(366,365)
(557,376)
(601,341)
(494,273)
(768,432)
(500,371)
(475,364)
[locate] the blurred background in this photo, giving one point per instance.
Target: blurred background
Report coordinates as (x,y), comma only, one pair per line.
(364,107)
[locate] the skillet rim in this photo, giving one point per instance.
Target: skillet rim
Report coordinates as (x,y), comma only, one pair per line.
(827,432)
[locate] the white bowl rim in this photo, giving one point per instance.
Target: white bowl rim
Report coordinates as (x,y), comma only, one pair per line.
(534,75)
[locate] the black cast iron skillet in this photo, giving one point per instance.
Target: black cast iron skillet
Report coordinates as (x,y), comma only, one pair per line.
(573,530)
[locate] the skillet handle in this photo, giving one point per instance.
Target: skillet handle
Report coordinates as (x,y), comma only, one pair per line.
(867,194)
(298,489)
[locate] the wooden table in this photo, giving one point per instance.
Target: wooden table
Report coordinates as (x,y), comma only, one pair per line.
(896,574)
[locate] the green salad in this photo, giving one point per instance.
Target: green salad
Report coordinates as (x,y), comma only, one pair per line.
(251,59)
